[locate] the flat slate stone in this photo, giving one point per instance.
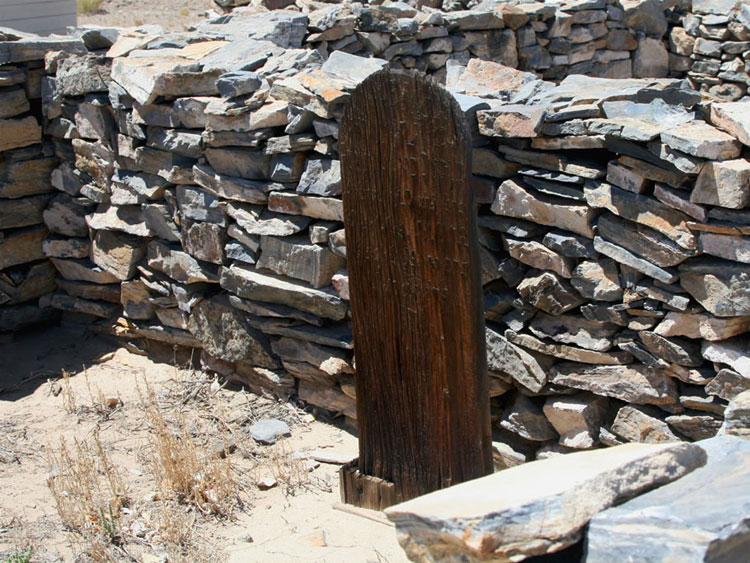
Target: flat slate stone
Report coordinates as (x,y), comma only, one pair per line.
(225,333)
(514,200)
(268,430)
(737,417)
(702,326)
(522,511)
(300,259)
(566,352)
(641,209)
(508,359)
(572,329)
(635,383)
(247,283)
(733,352)
(734,118)
(642,241)
(703,516)
(20,132)
(622,256)
(723,183)
(33,48)
(719,285)
(702,140)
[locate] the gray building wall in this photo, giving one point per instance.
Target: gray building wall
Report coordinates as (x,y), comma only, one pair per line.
(38,16)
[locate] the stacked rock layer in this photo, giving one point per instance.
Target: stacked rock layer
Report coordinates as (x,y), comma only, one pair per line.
(26,162)
(194,199)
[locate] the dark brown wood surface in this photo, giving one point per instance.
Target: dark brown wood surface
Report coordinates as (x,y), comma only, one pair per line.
(416,296)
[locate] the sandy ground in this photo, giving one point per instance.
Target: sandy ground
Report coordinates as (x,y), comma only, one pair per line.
(294,521)
(170,14)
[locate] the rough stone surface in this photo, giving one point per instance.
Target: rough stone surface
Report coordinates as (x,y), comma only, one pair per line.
(117,253)
(521,512)
(722,183)
(525,418)
(549,293)
(576,418)
(247,283)
(225,333)
(639,424)
(718,285)
(299,259)
(269,430)
(702,326)
(682,521)
(505,358)
(634,383)
(737,417)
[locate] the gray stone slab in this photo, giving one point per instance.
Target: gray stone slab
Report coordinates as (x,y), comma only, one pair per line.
(704,516)
(536,508)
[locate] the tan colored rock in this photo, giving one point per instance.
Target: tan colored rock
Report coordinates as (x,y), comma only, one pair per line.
(571,353)
(642,209)
(15,133)
(650,59)
(328,208)
(511,121)
(22,246)
(702,326)
(117,253)
(719,285)
(576,418)
(525,418)
(488,77)
(635,383)
(702,140)
(737,416)
(135,300)
(513,200)
(597,280)
(536,255)
(82,270)
(147,78)
(178,265)
(681,42)
(549,293)
(724,184)
(522,511)
(638,424)
(734,118)
(26,177)
(126,218)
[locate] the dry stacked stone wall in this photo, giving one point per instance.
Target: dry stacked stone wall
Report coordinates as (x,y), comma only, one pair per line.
(194,200)
(27,159)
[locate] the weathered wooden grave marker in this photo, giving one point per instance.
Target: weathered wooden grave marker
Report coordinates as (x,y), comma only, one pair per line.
(416,296)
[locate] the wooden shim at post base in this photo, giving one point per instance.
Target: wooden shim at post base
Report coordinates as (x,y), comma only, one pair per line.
(416,296)
(366,491)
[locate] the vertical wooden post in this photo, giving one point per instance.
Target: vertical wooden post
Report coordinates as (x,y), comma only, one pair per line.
(416,296)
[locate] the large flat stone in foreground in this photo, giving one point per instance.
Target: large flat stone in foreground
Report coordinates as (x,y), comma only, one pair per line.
(704,516)
(536,508)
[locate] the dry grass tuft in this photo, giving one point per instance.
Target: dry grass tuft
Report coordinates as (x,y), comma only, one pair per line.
(184,470)
(89,6)
(89,494)
(69,399)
